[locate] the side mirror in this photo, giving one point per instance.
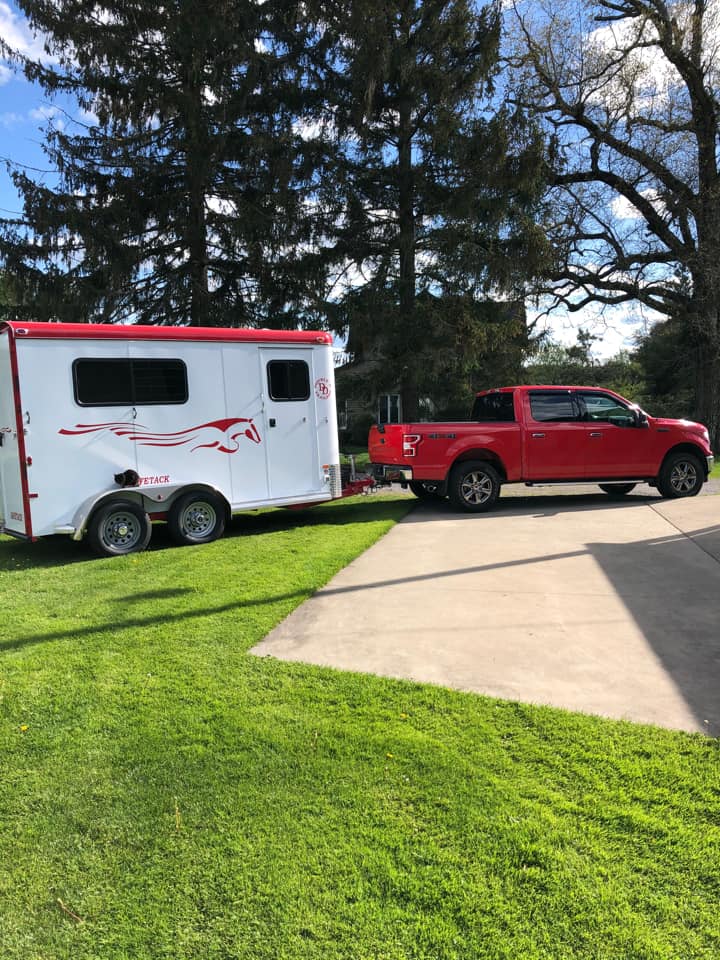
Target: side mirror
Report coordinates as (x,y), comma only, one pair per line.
(641,418)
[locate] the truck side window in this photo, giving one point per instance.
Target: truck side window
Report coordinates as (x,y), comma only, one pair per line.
(288,380)
(100,382)
(493,407)
(554,407)
(602,407)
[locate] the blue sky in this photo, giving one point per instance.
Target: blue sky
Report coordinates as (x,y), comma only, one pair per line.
(23,107)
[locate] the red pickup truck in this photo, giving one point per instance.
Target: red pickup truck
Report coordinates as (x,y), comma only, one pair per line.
(538,434)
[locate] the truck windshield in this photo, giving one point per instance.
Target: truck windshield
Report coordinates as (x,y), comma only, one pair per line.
(493,406)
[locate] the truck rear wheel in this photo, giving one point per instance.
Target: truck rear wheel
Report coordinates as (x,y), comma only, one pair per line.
(474,486)
(681,476)
(197,517)
(118,527)
(617,489)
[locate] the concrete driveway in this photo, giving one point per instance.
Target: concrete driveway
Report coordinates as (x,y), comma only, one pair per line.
(572,600)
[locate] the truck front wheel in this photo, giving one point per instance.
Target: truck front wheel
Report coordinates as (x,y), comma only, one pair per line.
(474,486)
(118,527)
(681,476)
(197,517)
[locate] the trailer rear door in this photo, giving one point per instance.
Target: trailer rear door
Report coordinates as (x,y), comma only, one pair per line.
(14,505)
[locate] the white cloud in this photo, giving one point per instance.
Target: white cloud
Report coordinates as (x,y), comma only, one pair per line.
(221,206)
(615,327)
(10,119)
(15,31)
(87,117)
(5,74)
(622,209)
(44,113)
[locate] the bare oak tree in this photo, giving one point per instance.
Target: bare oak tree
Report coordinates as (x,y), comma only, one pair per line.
(629,89)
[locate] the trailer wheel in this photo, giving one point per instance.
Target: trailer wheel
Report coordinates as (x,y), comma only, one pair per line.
(118,527)
(474,486)
(197,517)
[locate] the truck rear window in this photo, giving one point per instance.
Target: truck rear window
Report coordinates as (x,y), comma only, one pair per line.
(129,382)
(493,406)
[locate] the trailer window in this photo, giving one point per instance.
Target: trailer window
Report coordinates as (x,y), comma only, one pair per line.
(288,380)
(124,382)
(159,381)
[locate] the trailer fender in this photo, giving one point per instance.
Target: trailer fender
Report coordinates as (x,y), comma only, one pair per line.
(154,500)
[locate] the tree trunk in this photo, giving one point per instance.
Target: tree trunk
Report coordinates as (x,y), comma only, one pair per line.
(196,167)
(707,385)
(406,242)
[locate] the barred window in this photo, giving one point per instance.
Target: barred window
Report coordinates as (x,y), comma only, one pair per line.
(288,380)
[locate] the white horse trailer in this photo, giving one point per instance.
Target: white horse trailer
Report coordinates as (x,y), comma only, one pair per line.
(104,429)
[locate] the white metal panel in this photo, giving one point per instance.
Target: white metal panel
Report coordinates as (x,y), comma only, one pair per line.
(192,442)
(244,404)
(75,450)
(323,388)
(13,512)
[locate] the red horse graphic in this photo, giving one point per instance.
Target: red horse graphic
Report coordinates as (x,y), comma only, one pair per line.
(205,435)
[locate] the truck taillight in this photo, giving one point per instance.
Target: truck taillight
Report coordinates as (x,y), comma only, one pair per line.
(410,442)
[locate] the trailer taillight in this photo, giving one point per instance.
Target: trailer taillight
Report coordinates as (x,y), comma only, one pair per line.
(410,442)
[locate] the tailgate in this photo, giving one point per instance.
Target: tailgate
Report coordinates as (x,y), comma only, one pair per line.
(385,443)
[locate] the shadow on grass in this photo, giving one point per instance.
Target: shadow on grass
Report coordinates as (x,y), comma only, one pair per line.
(138,623)
(166,594)
(59,551)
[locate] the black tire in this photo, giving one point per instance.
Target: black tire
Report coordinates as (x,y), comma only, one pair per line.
(426,490)
(617,489)
(474,486)
(197,517)
(681,475)
(118,527)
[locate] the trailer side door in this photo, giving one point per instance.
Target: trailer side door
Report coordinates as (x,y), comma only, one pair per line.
(291,431)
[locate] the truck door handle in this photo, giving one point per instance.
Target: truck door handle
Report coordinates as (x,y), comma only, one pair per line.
(596,435)
(272,421)
(538,436)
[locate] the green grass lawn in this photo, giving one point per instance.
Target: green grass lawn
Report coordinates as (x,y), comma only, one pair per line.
(165,795)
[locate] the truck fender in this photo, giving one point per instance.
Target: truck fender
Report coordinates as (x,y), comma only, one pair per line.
(478,453)
(686,447)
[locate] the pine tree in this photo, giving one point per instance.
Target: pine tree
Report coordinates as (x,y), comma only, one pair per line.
(181,201)
(438,189)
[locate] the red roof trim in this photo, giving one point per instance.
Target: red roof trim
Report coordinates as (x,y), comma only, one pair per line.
(101,331)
